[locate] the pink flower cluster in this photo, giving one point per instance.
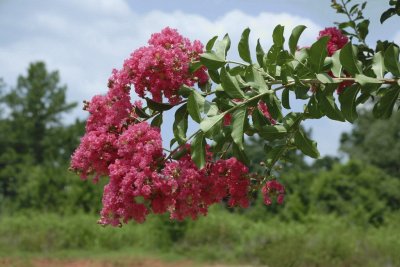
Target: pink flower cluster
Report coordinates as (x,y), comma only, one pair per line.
(141,182)
(336,39)
(162,67)
(271,188)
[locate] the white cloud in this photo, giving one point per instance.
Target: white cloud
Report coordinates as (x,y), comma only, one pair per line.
(85,39)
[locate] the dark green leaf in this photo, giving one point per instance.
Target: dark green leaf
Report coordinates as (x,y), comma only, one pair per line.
(384,108)
(209,122)
(195,66)
(328,105)
(260,53)
(348,59)
(214,75)
(313,108)
(157,121)
(307,146)
(378,65)
(387,14)
(392,60)
(240,154)
(348,104)
(273,132)
(185,90)
(243,46)
(181,124)
(212,61)
(292,120)
(277,36)
(285,98)
(294,38)
(231,85)
(153,105)
(238,120)
(255,79)
(195,106)
(363,29)
(318,54)
(140,112)
(198,150)
(274,154)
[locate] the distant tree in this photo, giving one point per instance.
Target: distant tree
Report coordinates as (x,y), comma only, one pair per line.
(35,108)
(33,135)
(375,141)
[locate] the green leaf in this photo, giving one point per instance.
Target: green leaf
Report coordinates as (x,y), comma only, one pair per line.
(214,75)
(209,122)
(185,90)
(348,103)
(195,106)
(363,29)
(198,150)
(328,105)
(240,154)
(365,80)
(292,120)
(141,113)
(277,36)
(349,60)
(260,53)
(285,98)
(318,54)
(387,14)
(153,105)
(222,47)
(274,154)
(212,61)
(306,145)
(211,43)
(180,125)
(384,107)
(378,65)
(243,46)
(195,66)
(157,121)
(273,132)
(255,79)
(274,105)
(336,66)
(325,78)
(392,60)
(313,108)
(238,120)
(231,85)
(294,38)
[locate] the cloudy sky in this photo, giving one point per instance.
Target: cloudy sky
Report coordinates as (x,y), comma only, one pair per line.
(85,39)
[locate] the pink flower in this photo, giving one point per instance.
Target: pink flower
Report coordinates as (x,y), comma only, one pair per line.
(336,41)
(271,188)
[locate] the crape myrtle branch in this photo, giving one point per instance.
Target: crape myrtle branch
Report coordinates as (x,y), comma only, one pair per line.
(228,100)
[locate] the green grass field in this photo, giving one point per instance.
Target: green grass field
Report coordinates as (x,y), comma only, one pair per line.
(221,237)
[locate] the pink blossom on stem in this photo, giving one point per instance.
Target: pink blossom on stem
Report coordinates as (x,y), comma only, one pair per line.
(271,188)
(336,39)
